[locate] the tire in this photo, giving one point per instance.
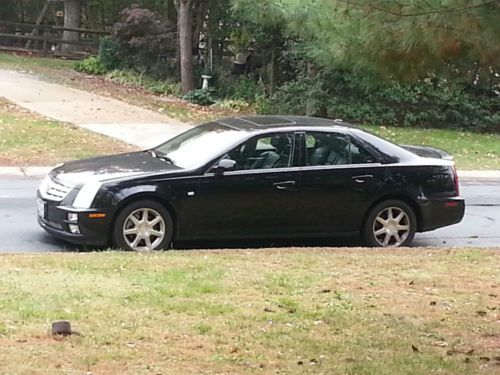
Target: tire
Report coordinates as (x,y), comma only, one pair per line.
(391,223)
(148,224)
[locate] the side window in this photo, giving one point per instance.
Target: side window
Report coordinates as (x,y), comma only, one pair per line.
(325,148)
(264,152)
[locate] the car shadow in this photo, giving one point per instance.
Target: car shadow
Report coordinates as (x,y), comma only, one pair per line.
(255,244)
(231,244)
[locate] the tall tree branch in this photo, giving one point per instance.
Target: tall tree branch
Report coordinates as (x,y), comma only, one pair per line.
(423,13)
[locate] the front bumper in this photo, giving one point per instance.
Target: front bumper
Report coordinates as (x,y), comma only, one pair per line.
(54,219)
(438,213)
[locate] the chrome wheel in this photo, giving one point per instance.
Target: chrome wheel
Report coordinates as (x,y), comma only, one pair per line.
(144,229)
(391,227)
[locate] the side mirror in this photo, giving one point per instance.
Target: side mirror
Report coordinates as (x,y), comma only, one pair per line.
(224,165)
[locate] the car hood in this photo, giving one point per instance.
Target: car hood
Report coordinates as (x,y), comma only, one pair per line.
(111,167)
(428,152)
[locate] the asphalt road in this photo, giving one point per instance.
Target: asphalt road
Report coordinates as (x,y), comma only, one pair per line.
(19,231)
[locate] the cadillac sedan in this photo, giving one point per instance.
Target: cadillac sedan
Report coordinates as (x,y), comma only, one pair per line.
(256,177)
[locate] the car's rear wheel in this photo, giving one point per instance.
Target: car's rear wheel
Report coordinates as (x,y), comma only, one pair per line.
(143,225)
(391,223)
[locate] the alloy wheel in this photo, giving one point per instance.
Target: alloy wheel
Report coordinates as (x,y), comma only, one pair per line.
(391,227)
(144,229)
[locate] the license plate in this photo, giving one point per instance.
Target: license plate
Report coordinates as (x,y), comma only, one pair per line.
(41,208)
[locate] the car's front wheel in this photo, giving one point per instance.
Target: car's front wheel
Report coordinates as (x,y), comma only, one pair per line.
(391,223)
(143,225)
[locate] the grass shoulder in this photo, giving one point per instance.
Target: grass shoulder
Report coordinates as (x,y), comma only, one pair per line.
(312,310)
(29,139)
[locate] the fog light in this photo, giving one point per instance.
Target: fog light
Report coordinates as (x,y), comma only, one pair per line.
(72,217)
(74,229)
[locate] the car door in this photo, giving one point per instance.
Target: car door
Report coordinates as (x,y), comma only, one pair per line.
(258,198)
(338,182)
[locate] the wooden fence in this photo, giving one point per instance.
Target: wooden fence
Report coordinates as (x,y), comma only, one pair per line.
(46,39)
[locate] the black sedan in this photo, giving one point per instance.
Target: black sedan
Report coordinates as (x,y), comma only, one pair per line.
(254,177)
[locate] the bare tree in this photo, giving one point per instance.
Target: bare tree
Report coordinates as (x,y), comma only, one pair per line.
(72,18)
(186,44)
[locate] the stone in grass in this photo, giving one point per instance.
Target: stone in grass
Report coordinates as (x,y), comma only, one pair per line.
(61,327)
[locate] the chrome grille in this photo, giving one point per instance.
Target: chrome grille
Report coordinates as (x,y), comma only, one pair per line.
(54,190)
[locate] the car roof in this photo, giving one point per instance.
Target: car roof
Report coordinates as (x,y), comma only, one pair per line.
(258,123)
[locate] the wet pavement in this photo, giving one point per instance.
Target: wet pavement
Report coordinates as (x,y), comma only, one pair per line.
(19,231)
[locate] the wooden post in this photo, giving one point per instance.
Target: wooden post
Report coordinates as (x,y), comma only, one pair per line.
(72,15)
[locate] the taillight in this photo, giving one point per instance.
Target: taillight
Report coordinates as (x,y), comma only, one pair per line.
(455,177)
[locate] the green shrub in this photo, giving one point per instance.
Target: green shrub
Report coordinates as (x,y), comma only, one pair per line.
(241,88)
(125,77)
(164,88)
(111,53)
(341,94)
(129,77)
(200,97)
(305,96)
(236,105)
(91,65)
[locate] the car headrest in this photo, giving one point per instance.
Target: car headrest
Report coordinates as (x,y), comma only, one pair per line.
(280,142)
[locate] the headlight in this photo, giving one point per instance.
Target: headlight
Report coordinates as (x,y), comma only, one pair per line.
(86,195)
(44,186)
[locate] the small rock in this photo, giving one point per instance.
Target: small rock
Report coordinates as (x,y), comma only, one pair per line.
(441,343)
(61,327)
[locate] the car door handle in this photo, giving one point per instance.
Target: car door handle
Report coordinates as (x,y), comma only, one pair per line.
(363,178)
(284,185)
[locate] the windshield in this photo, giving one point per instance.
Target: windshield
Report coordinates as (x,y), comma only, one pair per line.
(198,146)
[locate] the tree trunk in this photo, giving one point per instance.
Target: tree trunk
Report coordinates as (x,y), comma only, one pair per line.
(272,73)
(186,45)
(72,15)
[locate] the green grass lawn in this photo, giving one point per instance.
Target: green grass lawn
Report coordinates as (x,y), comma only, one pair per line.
(470,150)
(328,311)
(10,61)
(29,139)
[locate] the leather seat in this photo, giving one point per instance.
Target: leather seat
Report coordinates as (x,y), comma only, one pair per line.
(269,160)
(330,151)
(320,154)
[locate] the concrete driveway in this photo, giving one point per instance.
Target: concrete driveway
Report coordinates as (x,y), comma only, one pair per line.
(132,124)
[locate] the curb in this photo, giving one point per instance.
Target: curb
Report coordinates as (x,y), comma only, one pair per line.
(25,171)
(42,171)
(479,175)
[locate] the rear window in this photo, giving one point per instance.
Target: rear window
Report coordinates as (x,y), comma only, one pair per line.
(392,153)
